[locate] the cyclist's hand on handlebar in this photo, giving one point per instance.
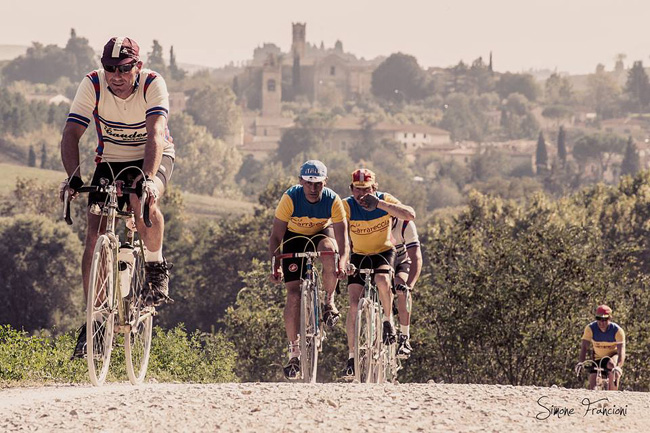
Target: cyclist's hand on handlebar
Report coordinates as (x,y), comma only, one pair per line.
(369,201)
(152,190)
(350,269)
(578,368)
(70,184)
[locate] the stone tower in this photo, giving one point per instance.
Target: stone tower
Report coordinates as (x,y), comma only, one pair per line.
(298,41)
(271,87)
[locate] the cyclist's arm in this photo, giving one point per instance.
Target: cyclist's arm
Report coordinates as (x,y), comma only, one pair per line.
(620,348)
(415,254)
(277,233)
(153,150)
(342,240)
(400,211)
(72,133)
(583,350)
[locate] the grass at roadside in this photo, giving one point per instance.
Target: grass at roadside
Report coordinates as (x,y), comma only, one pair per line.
(175,356)
(10,172)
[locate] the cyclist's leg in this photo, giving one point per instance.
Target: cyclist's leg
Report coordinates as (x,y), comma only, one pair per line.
(329,273)
(355,290)
(592,381)
(292,310)
(403,298)
(611,363)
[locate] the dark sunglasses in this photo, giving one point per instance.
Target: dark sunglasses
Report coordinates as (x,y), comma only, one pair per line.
(602,318)
(122,68)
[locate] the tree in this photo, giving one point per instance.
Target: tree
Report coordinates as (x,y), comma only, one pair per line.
(541,156)
(561,145)
(464,118)
(207,164)
(82,56)
(602,94)
(176,72)
(216,109)
(599,148)
(631,163)
(155,60)
(399,78)
(40,277)
(517,83)
(31,160)
(43,156)
(558,90)
(637,87)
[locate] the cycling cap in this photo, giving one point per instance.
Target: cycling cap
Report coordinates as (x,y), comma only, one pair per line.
(313,171)
(603,311)
(363,178)
(120,51)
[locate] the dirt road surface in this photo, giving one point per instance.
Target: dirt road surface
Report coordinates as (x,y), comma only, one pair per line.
(285,407)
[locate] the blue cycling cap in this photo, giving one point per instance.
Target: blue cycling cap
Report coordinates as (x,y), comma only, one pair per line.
(313,171)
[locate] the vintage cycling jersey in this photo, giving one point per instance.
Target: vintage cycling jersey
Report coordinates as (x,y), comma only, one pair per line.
(305,217)
(604,342)
(404,235)
(369,230)
(121,123)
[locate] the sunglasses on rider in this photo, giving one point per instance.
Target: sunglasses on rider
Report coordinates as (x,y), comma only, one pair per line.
(121,68)
(602,318)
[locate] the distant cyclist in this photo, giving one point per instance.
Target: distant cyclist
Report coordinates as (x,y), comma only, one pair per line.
(309,215)
(608,341)
(408,265)
(129,105)
(369,213)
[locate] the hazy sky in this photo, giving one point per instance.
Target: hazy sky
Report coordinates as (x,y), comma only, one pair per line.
(567,35)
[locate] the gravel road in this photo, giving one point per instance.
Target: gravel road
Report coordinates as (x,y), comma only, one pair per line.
(291,407)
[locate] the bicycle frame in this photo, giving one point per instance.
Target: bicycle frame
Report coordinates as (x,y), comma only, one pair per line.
(602,383)
(311,340)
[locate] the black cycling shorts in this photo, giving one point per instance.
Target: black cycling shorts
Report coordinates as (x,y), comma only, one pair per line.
(109,169)
(294,269)
(372,261)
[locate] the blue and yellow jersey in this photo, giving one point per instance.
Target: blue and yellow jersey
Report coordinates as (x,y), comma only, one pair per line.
(369,230)
(309,218)
(604,342)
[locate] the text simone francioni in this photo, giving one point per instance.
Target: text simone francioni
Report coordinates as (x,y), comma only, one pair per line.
(599,407)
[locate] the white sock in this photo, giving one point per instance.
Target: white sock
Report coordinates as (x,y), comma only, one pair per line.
(350,355)
(294,349)
(153,256)
(404,329)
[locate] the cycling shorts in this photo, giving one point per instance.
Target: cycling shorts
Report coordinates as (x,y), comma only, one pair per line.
(294,269)
(403,267)
(602,362)
(372,261)
(109,169)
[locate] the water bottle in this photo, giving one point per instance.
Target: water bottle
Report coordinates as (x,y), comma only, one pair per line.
(125,259)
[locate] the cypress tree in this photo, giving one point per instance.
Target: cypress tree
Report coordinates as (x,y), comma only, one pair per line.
(31,159)
(561,145)
(631,163)
(541,154)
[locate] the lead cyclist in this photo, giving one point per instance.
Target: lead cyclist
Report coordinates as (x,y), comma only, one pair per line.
(130,106)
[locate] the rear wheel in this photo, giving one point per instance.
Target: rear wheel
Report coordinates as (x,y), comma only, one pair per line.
(364,343)
(100,310)
(137,343)
(308,334)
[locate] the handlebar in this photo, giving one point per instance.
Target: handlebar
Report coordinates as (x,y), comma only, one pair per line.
(305,254)
(109,189)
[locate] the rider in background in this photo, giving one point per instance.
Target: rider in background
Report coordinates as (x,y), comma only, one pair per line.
(130,106)
(408,265)
(369,213)
(608,340)
(308,215)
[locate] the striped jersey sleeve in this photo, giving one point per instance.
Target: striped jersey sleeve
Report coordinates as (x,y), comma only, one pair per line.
(156,95)
(83,105)
(410,235)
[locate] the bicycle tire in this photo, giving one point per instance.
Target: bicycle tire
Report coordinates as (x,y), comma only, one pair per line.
(137,342)
(363,343)
(100,310)
(389,365)
(308,334)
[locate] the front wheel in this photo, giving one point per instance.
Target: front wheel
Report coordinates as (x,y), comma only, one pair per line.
(308,334)
(100,310)
(364,343)
(137,342)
